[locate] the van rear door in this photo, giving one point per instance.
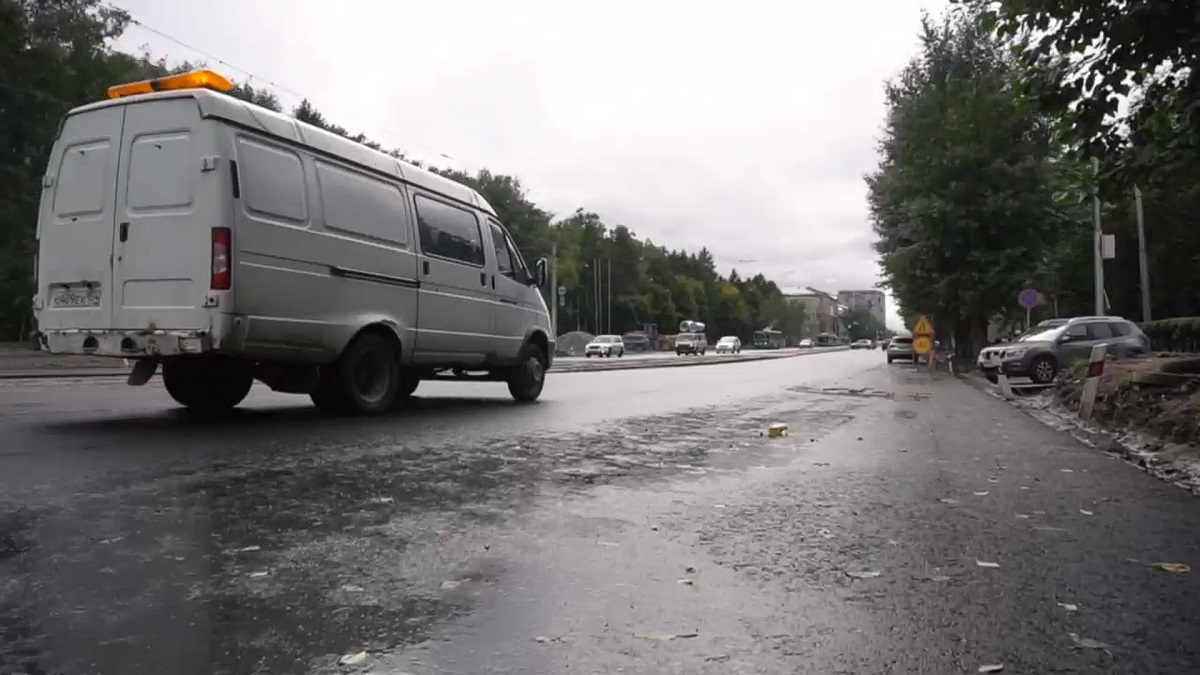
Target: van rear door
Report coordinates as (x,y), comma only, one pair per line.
(168,201)
(76,222)
(125,227)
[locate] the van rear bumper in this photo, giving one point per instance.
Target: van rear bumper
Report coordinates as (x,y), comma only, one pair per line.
(126,344)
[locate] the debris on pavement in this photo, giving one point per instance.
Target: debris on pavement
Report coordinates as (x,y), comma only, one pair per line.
(991,668)
(868,574)
(259,574)
(981,493)
(351,588)
(1086,512)
(659,636)
(1174,568)
(547,639)
(450,585)
(1088,643)
(352,659)
(777,430)
(1069,607)
(687,581)
(987,564)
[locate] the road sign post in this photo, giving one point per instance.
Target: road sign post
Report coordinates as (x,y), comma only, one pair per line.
(1028,299)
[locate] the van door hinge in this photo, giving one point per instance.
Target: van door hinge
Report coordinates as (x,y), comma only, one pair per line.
(47,181)
(209,163)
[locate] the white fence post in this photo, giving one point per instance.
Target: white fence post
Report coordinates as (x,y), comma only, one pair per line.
(1091,384)
(1001,380)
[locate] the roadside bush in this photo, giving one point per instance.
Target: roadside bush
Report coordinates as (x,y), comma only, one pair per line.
(1181,334)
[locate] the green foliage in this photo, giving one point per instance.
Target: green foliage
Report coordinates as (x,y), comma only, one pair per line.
(56,56)
(1086,55)
(1180,334)
(963,202)
(1082,57)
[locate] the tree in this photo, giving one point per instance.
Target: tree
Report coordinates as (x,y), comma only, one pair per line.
(1088,55)
(859,323)
(963,200)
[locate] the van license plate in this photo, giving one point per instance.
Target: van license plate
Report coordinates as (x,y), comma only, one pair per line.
(75,297)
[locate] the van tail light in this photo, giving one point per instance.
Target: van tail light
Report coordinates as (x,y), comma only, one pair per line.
(222,259)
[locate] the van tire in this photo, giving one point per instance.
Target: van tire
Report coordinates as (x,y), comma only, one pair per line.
(364,380)
(210,385)
(529,377)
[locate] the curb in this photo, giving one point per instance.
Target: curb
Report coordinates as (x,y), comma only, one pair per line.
(97,373)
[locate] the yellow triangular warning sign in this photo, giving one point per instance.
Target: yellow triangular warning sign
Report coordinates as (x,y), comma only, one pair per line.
(923,326)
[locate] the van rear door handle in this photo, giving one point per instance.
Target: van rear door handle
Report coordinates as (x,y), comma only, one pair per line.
(483,278)
(124,231)
(425,267)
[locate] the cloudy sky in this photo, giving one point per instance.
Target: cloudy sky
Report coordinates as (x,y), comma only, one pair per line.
(747,131)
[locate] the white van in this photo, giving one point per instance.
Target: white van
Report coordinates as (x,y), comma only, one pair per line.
(225,242)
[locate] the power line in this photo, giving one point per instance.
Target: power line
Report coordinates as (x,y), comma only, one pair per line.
(252,76)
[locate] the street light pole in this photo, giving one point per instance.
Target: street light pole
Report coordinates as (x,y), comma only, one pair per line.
(1097,240)
(609,296)
(1142,264)
(554,296)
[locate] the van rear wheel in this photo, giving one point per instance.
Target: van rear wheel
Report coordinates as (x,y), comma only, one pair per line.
(529,378)
(363,381)
(209,384)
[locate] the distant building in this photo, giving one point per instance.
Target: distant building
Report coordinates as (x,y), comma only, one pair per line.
(820,312)
(873,300)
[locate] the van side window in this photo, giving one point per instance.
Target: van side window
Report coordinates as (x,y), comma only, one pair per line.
(449,232)
(504,257)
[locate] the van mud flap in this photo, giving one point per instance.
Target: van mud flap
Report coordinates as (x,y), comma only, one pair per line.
(143,370)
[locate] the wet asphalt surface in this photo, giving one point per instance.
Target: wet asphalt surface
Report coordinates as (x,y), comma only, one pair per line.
(633,521)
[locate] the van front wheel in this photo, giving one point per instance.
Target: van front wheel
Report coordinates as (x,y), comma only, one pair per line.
(211,385)
(527,380)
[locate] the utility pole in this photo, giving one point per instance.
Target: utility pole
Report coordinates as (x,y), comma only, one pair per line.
(1142,265)
(609,295)
(596,295)
(554,297)
(1097,239)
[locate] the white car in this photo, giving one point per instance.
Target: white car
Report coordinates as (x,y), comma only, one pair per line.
(807,343)
(605,345)
(224,243)
(729,345)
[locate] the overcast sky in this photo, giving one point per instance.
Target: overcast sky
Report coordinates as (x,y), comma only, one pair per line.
(746,131)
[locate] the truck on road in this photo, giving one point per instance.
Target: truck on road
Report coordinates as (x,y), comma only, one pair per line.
(184,229)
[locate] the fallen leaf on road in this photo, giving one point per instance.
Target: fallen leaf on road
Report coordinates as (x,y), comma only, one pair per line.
(947,500)
(993,480)
(864,575)
(450,585)
(546,639)
(258,575)
(249,549)
(1088,643)
(1023,516)
(981,493)
(718,506)
(1086,512)
(987,564)
(991,668)
(1067,470)
(687,582)
(1069,607)
(353,589)
(689,570)
(353,659)
(658,636)
(1174,568)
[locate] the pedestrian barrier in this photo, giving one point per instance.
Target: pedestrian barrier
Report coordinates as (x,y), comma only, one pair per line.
(1091,383)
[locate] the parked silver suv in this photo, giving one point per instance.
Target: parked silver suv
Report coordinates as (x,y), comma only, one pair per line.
(1040,354)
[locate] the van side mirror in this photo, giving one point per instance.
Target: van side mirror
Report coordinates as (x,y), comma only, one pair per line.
(539,274)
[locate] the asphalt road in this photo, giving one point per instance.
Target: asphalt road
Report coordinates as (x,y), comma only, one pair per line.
(633,521)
